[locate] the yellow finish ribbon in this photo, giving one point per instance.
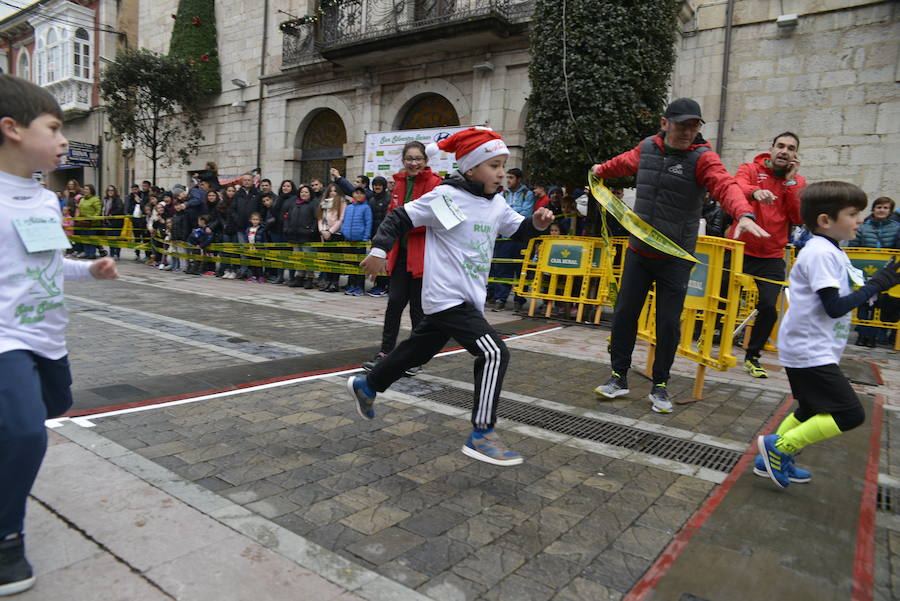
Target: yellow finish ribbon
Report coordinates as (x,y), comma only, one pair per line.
(641,230)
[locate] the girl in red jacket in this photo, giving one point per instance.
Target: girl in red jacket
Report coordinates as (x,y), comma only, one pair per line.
(406,260)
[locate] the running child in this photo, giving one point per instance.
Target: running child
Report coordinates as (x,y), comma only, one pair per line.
(462,218)
(813,333)
(34,367)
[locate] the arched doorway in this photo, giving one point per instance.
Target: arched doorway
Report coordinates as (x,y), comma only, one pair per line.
(323,146)
(430,110)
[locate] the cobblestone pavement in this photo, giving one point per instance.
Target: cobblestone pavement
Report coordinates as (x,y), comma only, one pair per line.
(396,495)
(578,520)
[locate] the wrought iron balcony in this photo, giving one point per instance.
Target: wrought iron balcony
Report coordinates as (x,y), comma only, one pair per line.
(357,27)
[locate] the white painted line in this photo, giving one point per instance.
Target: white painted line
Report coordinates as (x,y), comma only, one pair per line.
(197,326)
(179,339)
(87,421)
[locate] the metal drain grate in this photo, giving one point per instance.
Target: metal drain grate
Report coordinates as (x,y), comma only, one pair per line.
(887,499)
(658,445)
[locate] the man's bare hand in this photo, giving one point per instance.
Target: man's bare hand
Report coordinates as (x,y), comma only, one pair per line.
(373,266)
(764,196)
(335,173)
(748,225)
(793,167)
(104,269)
(542,218)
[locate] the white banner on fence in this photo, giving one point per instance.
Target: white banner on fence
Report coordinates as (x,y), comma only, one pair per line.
(383,150)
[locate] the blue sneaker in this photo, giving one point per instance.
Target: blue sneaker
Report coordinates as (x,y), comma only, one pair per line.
(795,474)
(364,396)
(376,292)
(776,462)
(489,448)
(350,291)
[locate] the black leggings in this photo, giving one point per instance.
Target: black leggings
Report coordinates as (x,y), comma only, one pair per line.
(404,289)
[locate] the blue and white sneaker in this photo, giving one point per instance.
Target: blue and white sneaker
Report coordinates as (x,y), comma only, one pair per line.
(795,474)
(350,291)
(489,448)
(777,463)
(376,292)
(358,386)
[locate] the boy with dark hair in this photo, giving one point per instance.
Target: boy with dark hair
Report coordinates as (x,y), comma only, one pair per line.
(34,366)
(462,217)
(813,333)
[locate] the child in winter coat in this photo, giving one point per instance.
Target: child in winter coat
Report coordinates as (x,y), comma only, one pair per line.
(256,234)
(357,226)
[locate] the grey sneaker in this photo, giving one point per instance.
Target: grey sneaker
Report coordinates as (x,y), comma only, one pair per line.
(615,386)
(659,396)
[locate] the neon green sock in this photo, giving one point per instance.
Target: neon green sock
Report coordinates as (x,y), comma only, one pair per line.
(818,427)
(788,423)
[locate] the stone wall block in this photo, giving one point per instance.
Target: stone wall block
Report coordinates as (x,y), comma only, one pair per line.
(878,74)
(834,79)
(878,55)
(759,103)
(805,98)
(824,61)
(826,156)
(790,64)
(777,84)
(847,96)
(762,68)
(860,119)
(809,81)
(822,121)
(888,121)
(881,92)
(866,155)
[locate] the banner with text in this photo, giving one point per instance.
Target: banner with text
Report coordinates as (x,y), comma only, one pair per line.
(382,154)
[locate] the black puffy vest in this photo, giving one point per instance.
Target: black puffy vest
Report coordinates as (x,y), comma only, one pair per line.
(668,195)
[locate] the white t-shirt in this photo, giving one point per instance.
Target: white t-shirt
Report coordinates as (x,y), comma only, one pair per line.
(32,313)
(808,337)
(457,261)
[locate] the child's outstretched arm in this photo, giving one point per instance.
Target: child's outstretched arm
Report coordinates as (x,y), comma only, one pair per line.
(395,225)
(837,305)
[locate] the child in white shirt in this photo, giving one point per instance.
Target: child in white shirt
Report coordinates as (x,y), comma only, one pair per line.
(813,333)
(34,368)
(463,217)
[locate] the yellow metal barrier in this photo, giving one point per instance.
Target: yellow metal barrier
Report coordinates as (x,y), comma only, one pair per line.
(715,298)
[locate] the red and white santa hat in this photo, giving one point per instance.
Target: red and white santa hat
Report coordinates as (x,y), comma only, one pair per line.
(472,146)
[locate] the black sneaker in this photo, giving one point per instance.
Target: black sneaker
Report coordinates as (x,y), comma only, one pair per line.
(500,305)
(16,574)
(411,372)
(370,365)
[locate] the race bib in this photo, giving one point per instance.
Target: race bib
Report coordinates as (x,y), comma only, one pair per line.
(447,212)
(40,234)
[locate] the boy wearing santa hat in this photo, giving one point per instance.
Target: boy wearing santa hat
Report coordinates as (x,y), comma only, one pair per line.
(463,217)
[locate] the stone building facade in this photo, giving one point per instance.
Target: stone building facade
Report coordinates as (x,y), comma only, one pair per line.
(833,78)
(297,102)
(62,45)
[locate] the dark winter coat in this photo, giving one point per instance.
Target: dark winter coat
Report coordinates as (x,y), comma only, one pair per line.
(300,224)
(181,225)
(246,202)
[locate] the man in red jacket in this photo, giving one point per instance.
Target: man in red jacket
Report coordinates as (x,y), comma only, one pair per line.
(675,169)
(773,188)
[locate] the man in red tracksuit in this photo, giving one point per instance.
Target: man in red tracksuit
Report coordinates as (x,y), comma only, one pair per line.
(674,169)
(773,188)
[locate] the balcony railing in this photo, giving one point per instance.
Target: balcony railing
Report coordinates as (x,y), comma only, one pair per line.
(358,25)
(73,95)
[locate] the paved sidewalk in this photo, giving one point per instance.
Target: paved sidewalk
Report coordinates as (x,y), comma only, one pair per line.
(102,525)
